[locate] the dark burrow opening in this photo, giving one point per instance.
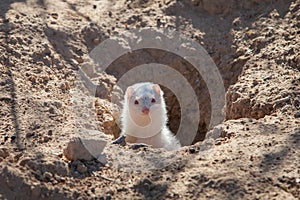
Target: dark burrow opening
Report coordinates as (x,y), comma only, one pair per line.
(136,58)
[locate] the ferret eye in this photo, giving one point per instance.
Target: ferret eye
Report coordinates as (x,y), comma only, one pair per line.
(136,102)
(153,100)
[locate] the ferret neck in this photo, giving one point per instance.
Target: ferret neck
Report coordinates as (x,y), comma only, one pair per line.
(141,120)
(146,126)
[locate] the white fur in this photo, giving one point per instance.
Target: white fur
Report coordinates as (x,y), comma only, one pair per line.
(164,139)
(160,135)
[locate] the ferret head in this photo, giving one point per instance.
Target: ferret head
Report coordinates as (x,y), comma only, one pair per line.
(144,113)
(144,99)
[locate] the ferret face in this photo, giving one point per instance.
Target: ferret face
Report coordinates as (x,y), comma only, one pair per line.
(143,104)
(145,99)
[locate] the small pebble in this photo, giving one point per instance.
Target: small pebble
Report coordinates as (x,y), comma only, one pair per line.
(192,150)
(81,168)
(4,153)
(297,114)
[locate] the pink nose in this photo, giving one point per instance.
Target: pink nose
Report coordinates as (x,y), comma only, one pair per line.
(145,111)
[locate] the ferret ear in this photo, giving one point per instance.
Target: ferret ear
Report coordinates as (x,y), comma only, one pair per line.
(157,89)
(129,92)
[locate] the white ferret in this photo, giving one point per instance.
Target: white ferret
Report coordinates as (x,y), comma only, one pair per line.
(144,117)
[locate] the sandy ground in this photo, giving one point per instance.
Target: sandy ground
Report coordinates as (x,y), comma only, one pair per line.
(254,154)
